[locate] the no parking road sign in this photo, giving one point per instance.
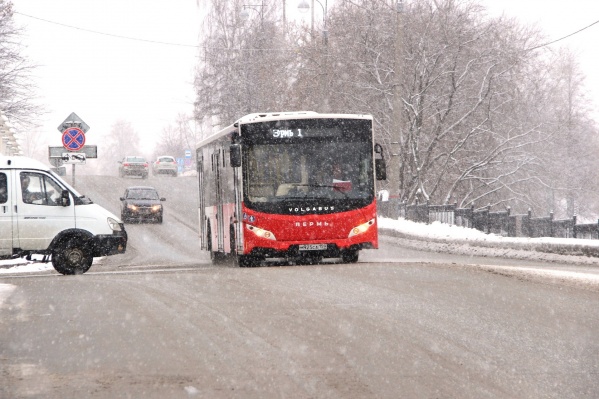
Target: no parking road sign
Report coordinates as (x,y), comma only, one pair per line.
(73,139)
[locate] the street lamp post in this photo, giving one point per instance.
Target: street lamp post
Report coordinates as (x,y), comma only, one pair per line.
(304,7)
(244,14)
(396,122)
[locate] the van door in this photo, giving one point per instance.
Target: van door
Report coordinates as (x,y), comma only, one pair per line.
(6,214)
(40,214)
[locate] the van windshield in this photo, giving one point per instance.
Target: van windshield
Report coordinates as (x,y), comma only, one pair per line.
(80,199)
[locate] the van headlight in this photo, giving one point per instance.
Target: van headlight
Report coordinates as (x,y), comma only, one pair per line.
(261,232)
(361,228)
(114,225)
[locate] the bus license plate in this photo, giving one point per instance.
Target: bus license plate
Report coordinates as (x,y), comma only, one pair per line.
(312,247)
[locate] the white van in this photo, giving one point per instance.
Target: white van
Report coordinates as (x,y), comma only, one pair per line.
(42,214)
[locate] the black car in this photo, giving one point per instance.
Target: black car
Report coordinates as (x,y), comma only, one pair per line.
(141,203)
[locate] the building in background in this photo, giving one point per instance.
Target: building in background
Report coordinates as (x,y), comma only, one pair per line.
(8,139)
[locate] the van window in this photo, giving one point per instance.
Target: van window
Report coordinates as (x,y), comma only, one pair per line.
(3,188)
(39,189)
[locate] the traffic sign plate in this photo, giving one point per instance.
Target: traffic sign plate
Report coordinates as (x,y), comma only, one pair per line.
(73,139)
(73,157)
(73,120)
(90,151)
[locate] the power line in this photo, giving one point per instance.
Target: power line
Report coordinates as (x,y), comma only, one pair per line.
(107,34)
(152,41)
(561,38)
(198,46)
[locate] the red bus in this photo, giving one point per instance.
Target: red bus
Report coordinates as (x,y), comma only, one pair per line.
(290,186)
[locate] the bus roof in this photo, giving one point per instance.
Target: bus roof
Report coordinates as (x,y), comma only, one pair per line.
(276,116)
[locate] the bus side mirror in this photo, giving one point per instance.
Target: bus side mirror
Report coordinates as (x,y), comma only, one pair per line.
(380,166)
(235,155)
(381,169)
(65,199)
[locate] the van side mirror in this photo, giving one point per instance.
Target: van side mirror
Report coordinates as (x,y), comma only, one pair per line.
(380,166)
(65,198)
(235,155)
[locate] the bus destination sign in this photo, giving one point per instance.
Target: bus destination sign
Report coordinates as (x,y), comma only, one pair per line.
(283,133)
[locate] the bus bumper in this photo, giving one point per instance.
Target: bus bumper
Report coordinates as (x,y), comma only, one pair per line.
(293,251)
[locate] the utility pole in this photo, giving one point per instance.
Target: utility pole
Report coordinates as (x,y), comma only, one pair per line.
(396,121)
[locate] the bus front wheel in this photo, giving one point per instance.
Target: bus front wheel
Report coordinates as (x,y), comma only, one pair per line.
(350,256)
(248,261)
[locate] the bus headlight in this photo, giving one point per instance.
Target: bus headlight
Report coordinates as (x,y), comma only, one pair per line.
(261,232)
(361,228)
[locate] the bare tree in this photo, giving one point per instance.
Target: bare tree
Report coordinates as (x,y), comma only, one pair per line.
(461,77)
(33,145)
(174,140)
(244,64)
(567,177)
(17,92)
(122,140)
(489,116)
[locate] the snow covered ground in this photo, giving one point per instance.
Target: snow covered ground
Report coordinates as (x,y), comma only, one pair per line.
(563,259)
(441,237)
(21,265)
(444,238)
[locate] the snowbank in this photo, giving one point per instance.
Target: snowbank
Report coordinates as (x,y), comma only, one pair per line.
(458,239)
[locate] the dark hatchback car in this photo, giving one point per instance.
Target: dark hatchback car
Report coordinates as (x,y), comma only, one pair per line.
(141,203)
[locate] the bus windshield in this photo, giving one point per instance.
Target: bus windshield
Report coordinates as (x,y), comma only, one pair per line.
(321,165)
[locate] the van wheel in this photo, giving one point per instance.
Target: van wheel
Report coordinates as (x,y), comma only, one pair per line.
(72,256)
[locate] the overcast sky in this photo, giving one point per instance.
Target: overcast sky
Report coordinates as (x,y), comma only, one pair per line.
(105,78)
(559,18)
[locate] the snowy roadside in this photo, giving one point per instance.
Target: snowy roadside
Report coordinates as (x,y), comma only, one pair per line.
(21,265)
(440,237)
(443,238)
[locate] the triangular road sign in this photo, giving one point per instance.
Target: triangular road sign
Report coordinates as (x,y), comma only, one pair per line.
(73,120)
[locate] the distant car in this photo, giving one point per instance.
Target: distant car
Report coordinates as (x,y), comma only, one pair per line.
(134,166)
(141,203)
(165,164)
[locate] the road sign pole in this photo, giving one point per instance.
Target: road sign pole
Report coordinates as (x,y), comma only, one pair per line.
(73,131)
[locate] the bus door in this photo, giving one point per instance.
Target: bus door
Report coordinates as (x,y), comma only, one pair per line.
(238,225)
(202,204)
(218,223)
